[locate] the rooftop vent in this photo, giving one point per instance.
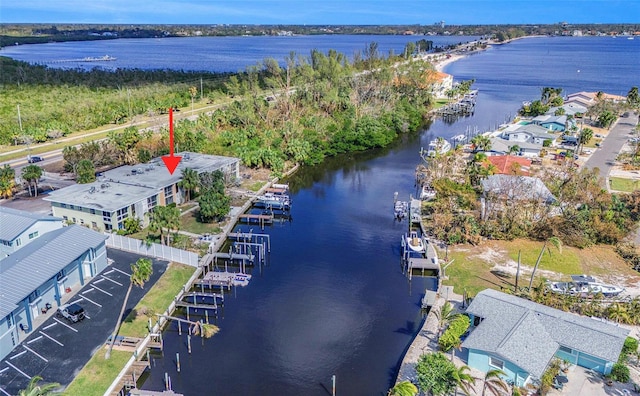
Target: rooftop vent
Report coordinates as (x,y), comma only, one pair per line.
(92,190)
(134,171)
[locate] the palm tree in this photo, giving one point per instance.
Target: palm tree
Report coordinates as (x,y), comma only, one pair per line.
(618,313)
(494,384)
(404,388)
(33,389)
(464,380)
(481,143)
(190,182)
(445,315)
(164,218)
(513,150)
(32,173)
(555,241)
(141,271)
(206,330)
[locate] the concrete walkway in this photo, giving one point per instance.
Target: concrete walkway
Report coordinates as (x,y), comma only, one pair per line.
(426,340)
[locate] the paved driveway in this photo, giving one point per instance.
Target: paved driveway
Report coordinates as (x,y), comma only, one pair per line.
(58,349)
(604,158)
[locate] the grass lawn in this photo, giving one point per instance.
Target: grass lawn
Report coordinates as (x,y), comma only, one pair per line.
(156,300)
(472,267)
(189,222)
(625,185)
(98,374)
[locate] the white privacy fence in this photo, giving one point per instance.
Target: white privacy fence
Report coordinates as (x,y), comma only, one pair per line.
(153,249)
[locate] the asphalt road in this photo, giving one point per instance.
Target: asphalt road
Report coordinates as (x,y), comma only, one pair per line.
(58,349)
(604,158)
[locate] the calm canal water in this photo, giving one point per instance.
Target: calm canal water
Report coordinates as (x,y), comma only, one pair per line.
(333,299)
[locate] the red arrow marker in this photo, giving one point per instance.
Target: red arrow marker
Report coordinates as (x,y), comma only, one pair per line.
(171,161)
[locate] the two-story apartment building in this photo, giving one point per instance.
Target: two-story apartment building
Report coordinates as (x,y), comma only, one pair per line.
(18,228)
(131,191)
(35,279)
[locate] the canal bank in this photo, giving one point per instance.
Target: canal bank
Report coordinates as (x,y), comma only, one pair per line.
(135,366)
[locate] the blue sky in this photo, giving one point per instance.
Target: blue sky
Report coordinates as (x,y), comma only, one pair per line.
(311,12)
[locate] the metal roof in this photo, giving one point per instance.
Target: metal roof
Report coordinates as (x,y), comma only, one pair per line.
(14,222)
(28,268)
(129,184)
(517,187)
(528,334)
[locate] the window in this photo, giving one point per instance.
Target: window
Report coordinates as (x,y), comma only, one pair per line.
(33,235)
(152,202)
(92,211)
(496,363)
(108,227)
(34,295)
(63,206)
(72,207)
(74,219)
(94,224)
(65,218)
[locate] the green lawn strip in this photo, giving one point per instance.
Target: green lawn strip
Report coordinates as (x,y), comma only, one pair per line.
(625,185)
(565,261)
(98,374)
(156,300)
(472,274)
(190,223)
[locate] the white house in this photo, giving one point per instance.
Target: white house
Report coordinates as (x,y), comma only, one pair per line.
(18,228)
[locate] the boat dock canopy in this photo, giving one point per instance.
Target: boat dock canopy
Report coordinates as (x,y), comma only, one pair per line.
(429,298)
(424,263)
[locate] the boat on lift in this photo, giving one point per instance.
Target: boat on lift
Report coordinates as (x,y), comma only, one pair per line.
(415,242)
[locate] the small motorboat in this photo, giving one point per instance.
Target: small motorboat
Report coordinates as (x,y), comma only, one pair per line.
(269,199)
(415,242)
(584,286)
(458,138)
(427,192)
(400,209)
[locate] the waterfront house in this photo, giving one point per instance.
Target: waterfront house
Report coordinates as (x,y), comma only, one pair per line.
(551,122)
(18,228)
(521,338)
(529,133)
(132,191)
(34,279)
(588,99)
(501,146)
(440,83)
(529,195)
(510,164)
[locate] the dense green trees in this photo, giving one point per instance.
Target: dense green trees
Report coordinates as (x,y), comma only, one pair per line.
(86,172)
(438,376)
(214,204)
(7,181)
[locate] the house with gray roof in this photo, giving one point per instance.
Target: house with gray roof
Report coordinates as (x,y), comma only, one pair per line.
(36,278)
(502,193)
(18,228)
(132,191)
(551,122)
(501,146)
(521,337)
(529,133)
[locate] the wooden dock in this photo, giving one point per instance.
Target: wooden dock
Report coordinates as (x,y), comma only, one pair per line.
(429,299)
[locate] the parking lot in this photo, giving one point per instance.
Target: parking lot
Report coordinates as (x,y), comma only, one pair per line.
(58,349)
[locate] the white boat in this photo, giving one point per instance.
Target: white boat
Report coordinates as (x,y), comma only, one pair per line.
(415,242)
(269,199)
(458,138)
(583,286)
(400,209)
(427,192)
(105,58)
(438,146)
(241,279)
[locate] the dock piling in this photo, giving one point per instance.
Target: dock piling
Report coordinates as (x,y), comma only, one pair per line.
(178,361)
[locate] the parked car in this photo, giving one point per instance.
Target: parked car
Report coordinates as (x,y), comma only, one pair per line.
(32,159)
(72,312)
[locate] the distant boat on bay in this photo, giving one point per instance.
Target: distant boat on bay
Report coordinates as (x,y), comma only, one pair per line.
(105,58)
